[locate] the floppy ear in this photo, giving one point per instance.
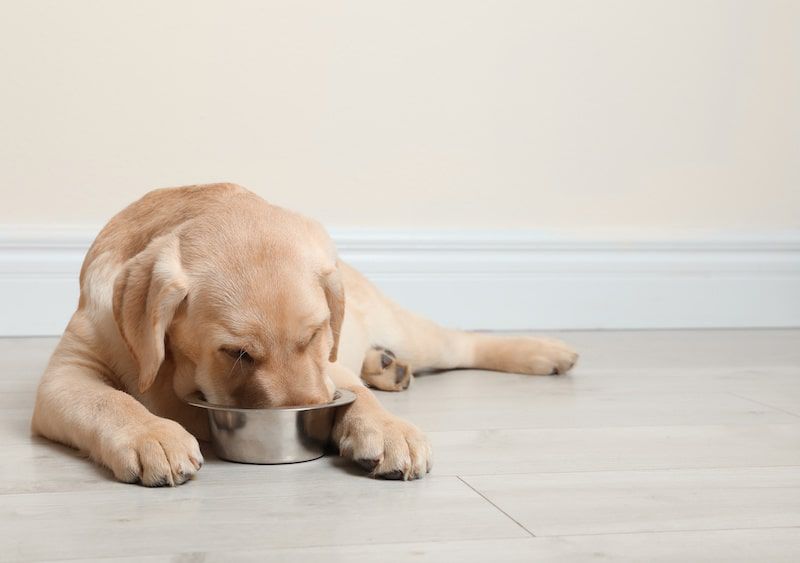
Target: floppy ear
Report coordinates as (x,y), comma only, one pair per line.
(334,294)
(147,292)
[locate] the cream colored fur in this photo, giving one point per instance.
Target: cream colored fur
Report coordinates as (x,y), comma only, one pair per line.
(211,288)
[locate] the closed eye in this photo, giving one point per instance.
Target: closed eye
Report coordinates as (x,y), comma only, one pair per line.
(305,344)
(238,355)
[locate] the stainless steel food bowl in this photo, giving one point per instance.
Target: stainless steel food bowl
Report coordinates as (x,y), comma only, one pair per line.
(271,435)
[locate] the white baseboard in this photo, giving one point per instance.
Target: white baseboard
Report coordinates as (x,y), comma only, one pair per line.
(488,280)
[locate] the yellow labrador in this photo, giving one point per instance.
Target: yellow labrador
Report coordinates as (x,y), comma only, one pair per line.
(212,289)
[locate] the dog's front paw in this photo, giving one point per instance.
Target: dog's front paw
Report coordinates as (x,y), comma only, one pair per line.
(157,454)
(385,445)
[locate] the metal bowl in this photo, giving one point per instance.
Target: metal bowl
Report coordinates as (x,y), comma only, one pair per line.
(271,435)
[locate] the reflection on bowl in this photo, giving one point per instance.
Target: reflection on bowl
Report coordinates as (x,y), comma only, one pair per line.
(271,435)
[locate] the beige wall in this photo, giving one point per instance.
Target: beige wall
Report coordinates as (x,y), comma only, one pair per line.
(466,114)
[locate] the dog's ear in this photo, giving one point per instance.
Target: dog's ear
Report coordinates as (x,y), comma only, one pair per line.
(334,294)
(147,292)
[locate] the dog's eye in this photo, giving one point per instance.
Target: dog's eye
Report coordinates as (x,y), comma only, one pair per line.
(238,355)
(307,343)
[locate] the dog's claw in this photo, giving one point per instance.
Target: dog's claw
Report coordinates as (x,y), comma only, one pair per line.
(395,475)
(368,464)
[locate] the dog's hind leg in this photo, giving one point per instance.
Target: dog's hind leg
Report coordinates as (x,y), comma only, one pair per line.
(424,345)
(427,346)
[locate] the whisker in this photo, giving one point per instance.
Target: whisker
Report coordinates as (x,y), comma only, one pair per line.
(237,362)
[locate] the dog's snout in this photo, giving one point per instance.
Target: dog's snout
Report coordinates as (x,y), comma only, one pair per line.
(306,399)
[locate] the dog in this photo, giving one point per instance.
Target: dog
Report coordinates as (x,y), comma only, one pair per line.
(211,289)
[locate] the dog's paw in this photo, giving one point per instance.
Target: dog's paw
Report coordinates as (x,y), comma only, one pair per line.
(529,355)
(381,370)
(158,454)
(385,445)
(547,356)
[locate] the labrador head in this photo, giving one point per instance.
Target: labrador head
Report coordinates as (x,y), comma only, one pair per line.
(247,303)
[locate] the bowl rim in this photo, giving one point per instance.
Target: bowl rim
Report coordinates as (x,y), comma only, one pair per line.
(341,397)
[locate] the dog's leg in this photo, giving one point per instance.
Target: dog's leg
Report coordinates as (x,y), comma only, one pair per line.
(421,343)
(385,445)
(76,405)
(427,346)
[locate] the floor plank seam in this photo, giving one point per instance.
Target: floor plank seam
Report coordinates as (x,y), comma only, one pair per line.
(507,515)
(332,546)
(763,404)
(623,470)
(681,531)
(615,426)
(618,426)
(448,475)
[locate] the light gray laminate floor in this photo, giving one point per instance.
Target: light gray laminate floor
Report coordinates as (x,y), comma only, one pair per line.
(661,446)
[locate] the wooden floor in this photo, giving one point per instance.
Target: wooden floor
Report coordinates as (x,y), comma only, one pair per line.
(661,446)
